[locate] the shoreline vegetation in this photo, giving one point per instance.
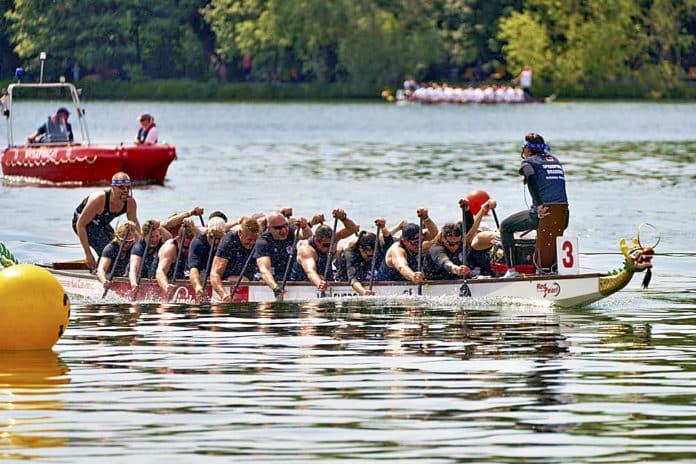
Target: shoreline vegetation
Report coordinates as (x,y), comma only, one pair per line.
(191,90)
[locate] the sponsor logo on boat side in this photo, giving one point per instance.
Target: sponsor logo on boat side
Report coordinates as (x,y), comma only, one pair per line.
(553,289)
(41,153)
(182,295)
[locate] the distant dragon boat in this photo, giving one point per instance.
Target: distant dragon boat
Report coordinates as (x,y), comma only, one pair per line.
(77,163)
(560,290)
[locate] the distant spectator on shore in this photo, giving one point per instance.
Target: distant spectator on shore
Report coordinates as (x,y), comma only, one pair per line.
(525,80)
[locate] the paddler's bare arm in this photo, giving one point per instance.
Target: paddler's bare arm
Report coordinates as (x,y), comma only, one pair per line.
(132,212)
(264,265)
(165,262)
(216,271)
(195,278)
(103,269)
(308,260)
(134,269)
(349,226)
(400,263)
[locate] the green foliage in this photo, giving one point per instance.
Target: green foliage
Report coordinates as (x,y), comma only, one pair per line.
(580,44)
(580,48)
(527,43)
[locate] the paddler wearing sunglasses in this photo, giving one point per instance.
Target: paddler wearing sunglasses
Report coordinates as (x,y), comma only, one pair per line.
(93,216)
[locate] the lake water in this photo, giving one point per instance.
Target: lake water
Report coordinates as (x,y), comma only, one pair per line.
(368,380)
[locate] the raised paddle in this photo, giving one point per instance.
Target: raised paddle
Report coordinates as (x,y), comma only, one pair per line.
(291,259)
(495,217)
(374,258)
(420,254)
(241,273)
(464,289)
(200,216)
(464,228)
(182,235)
(330,254)
(142,263)
(110,274)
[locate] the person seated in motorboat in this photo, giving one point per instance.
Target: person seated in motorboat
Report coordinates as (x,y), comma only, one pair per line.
(233,255)
(314,255)
(111,263)
(401,260)
(56,129)
(275,247)
(354,262)
(169,258)
(92,218)
(147,133)
(143,258)
(202,250)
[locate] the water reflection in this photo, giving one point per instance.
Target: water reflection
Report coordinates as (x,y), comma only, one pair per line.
(32,384)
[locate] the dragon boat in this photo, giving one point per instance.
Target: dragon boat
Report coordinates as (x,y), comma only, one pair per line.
(82,162)
(569,290)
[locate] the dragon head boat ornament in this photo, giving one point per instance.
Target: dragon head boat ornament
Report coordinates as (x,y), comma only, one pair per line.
(638,258)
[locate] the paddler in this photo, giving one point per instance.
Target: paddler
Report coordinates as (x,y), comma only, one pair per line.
(92,218)
(143,259)
(400,262)
(169,257)
(111,263)
(200,254)
(275,247)
(354,262)
(232,258)
(314,253)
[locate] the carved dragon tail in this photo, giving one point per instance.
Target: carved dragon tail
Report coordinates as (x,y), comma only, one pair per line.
(6,257)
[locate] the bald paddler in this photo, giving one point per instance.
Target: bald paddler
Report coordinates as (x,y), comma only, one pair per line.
(275,247)
(92,218)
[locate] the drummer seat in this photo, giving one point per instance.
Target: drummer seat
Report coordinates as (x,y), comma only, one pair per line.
(550,227)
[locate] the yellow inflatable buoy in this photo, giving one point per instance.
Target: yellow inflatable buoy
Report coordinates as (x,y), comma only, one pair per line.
(34,308)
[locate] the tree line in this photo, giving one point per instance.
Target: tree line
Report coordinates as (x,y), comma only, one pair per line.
(364,44)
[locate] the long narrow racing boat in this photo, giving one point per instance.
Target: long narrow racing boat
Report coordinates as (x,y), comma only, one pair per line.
(64,162)
(560,290)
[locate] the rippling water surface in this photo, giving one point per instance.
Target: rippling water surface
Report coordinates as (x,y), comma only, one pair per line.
(368,380)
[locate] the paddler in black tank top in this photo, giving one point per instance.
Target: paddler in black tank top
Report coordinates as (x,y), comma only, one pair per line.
(92,218)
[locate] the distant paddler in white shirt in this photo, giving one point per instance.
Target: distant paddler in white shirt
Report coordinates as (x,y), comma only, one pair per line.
(92,218)
(147,134)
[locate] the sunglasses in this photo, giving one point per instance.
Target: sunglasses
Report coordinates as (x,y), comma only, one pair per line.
(453,234)
(280,227)
(413,241)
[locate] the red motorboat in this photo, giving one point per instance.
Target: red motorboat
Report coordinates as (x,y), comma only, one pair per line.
(62,162)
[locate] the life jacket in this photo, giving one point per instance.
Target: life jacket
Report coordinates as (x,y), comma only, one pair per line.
(54,133)
(143,131)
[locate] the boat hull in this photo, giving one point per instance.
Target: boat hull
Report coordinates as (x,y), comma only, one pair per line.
(563,291)
(87,164)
